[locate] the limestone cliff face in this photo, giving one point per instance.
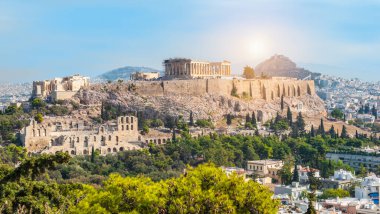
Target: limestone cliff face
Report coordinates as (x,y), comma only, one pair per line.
(267,89)
(207,98)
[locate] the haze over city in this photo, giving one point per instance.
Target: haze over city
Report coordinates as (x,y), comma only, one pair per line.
(49,39)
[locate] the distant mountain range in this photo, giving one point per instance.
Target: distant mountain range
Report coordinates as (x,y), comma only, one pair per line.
(282,66)
(122,73)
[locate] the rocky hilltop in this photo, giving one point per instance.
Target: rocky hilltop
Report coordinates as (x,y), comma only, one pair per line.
(127,98)
(282,66)
(122,73)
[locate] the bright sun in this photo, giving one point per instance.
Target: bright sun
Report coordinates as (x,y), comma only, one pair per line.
(257,48)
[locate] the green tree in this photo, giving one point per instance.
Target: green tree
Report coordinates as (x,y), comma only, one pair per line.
(289,116)
(301,124)
(296,176)
(205,189)
(38,103)
(39,118)
(282,103)
(248,72)
(229,119)
(334,193)
(337,113)
(254,121)
(344,133)
(191,119)
(321,129)
(362,171)
(312,131)
(332,131)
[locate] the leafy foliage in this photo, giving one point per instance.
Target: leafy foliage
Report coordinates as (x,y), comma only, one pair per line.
(204,189)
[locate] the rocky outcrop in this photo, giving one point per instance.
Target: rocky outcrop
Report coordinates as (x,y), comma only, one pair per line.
(282,66)
(204,106)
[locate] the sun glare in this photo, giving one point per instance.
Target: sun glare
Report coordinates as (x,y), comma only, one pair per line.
(257,48)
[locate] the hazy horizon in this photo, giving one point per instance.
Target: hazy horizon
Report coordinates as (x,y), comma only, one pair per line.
(45,39)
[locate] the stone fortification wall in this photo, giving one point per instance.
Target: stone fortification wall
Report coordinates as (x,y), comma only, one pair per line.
(267,89)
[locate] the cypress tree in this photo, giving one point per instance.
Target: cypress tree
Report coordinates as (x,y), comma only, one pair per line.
(191,119)
(282,103)
(229,120)
(247,118)
(277,119)
(301,124)
(295,174)
(174,135)
(312,131)
(374,111)
(332,131)
(92,154)
(356,134)
(289,116)
(344,132)
(322,128)
(366,109)
(254,121)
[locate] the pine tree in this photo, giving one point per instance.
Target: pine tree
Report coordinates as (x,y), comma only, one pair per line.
(191,123)
(332,131)
(289,116)
(344,133)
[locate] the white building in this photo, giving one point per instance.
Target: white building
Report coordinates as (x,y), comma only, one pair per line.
(295,190)
(366,118)
(369,189)
(303,173)
(343,175)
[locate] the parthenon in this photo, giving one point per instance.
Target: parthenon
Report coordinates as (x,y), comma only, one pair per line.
(187,68)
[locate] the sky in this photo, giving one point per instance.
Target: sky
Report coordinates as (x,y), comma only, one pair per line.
(46,39)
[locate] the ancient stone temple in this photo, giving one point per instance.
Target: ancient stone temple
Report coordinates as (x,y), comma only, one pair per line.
(187,68)
(59,88)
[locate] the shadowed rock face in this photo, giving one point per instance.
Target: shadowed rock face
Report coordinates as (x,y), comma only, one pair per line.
(282,66)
